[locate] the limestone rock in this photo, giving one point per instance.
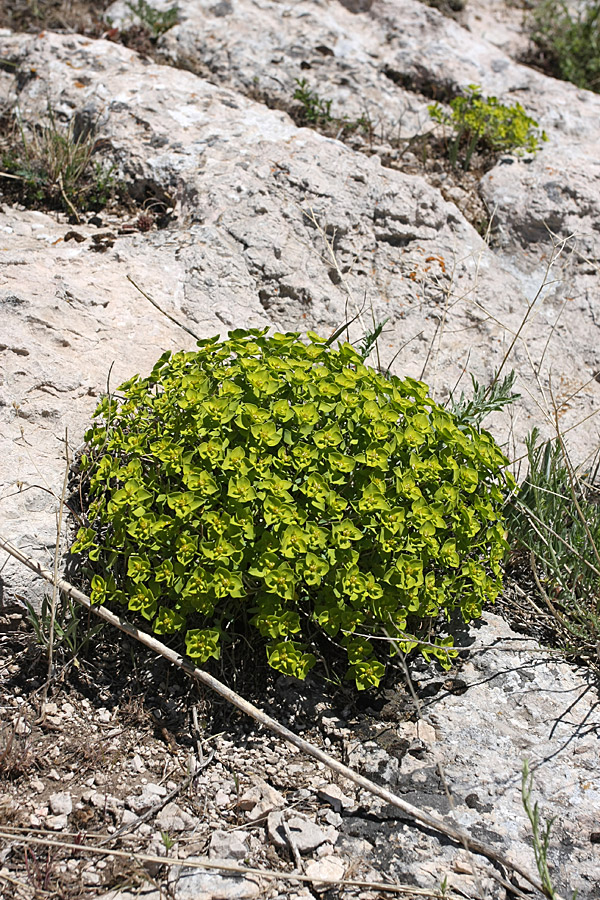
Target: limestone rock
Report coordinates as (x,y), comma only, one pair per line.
(172,818)
(61,803)
(330,868)
(305,834)
(259,800)
(224,845)
(198,884)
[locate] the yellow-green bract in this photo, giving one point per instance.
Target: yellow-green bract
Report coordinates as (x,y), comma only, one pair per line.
(476,120)
(282,484)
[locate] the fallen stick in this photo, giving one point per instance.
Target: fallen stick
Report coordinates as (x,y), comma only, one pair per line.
(413,812)
(213,865)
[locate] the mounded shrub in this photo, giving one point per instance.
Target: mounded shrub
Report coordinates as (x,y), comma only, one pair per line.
(266,482)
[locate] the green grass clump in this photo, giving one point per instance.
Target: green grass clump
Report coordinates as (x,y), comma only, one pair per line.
(285,486)
(555,518)
(50,164)
(488,124)
(569,42)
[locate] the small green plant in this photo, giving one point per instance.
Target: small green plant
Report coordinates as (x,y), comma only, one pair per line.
(267,482)
(484,400)
(168,841)
(555,517)
(316,110)
(69,632)
(316,113)
(485,122)
(157,21)
(53,166)
(569,41)
(541,833)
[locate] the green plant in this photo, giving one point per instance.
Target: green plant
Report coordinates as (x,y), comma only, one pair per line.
(69,633)
(569,41)
(484,400)
(541,834)
(284,485)
(54,165)
(555,516)
(316,110)
(157,21)
(168,841)
(488,123)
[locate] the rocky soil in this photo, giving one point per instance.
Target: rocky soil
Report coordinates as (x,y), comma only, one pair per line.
(239,215)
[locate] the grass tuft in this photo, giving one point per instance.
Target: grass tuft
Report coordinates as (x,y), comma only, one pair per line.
(554,523)
(51,164)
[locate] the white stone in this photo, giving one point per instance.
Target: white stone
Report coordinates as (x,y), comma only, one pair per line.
(57,823)
(61,803)
(228,845)
(305,834)
(331,868)
(198,884)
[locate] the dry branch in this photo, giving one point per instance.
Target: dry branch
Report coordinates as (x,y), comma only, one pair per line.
(196,863)
(418,815)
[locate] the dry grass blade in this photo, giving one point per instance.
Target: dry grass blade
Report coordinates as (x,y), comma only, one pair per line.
(161,310)
(418,815)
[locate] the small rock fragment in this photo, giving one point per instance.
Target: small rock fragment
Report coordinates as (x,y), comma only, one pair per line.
(56,823)
(196,884)
(305,834)
(259,800)
(173,818)
(426,732)
(330,867)
(332,794)
(224,845)
(61,803)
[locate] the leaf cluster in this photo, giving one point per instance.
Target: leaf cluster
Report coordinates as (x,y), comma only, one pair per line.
(157,21)
(569,41)
(316,112)
(486,122)
(285,485)
(484,400)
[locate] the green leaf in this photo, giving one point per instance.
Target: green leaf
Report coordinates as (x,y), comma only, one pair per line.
(227,584)
(366,674)
(142,600)
(288,658)
(203,643)
(328,437)
(344,533)
(267,433)
(294,541)
(201,481)
(167,621)
(448,554)
(138,568)
(312,568)
(241,489)
(281,581)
